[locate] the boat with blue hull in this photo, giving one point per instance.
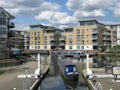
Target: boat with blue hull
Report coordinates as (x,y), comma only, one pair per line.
(67,69)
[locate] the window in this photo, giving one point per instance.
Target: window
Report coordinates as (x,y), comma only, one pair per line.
(82,42)
(3,31)
(78,42)
(82,30)
(82,36)
(35,47)
(35,33)
(35,38)
(38,43)
(70,37)
(45,47)
(70,47)
(78,47)
(78,31)
(45,42)
(38,47)
(38,38)
(38,33)
(2,19)
(70,42)
(82,47)
(45,37)
(78,37)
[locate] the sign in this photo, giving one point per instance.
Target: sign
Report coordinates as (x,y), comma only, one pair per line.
(116,70)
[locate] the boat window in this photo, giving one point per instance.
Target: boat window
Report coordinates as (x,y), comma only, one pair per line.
(66,69)
(74,68)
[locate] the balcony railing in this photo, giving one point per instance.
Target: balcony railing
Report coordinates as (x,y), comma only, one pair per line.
(62,38)
(52,39)
(95,43)
(11,25)
(61,44)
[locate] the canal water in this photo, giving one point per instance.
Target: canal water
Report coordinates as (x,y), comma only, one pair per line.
(55,81)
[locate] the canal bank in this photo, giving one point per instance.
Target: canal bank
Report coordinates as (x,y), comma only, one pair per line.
(99,80)
(10,75)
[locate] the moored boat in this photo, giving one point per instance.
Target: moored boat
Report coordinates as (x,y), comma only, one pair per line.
(68,69)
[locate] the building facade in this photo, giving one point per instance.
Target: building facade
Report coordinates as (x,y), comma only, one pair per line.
(15,39)
(89,35)
(41,37)
(5,25)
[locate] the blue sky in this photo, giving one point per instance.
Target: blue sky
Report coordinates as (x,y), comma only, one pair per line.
(61,13)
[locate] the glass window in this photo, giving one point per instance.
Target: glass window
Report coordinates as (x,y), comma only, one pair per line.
(70,42)
(38,33)
(78,47)
(82,36)
(70,47)
(3,31)
(78,37)
(45,42)
(82,47)
(70,37)
(38,47)
(45,47)
(45,37)
(38,43)
(78,42)
(82,30)
(82,42)
(78,31)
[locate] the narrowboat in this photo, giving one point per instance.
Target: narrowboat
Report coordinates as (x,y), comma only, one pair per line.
(68,69)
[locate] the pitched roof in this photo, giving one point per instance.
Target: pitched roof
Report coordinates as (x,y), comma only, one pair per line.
(10,16)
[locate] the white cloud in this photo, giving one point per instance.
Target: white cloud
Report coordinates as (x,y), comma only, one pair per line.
(90,8)
(89,5)
(94,13)
(58,18)
(116,9)
(28,6)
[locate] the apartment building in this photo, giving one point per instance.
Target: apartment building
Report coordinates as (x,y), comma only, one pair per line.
(89,35)
(15,39)
(26,39)
(5,25)
(41,37)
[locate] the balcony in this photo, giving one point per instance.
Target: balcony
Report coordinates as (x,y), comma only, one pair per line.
(52,44)
(52,39)
(61,44)
(94,37)
(11,25)
(62,38)
(95,32)
(95,43)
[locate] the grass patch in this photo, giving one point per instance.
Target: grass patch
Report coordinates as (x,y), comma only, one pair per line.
(1,72)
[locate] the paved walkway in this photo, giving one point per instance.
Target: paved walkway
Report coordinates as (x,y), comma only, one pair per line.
(9,79)
(107,83)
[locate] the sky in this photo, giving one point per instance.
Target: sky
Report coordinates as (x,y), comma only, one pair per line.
(61,13)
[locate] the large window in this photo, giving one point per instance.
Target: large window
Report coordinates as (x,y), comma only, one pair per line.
(78,47)
(2,19)
(70,47)
(3,31)
(78,31)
